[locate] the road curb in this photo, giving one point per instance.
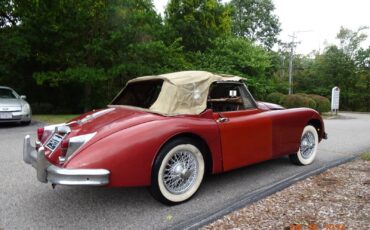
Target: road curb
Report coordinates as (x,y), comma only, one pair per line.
(244,200)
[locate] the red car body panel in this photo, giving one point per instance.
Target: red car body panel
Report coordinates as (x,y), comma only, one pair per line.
(287,127)
(129,152)
(245,137)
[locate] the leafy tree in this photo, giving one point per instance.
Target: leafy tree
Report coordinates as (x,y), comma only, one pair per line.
(350,40)
(239,56)
(236,56)
(346,66)
(363,83)
(89,46)
(350,43)
(255,20)
(197,22)
(13,46)
(69,56)
(102,37)
(332,68)
(7,14)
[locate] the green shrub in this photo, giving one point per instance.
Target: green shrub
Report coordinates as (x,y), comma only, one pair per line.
(276,98)
(298,100)
(301,94)
(313,101)
(322,103)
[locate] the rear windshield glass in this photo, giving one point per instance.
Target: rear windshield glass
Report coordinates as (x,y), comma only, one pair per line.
(140,94)
(7,93)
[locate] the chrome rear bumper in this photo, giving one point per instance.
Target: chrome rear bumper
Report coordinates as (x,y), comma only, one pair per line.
(47,172)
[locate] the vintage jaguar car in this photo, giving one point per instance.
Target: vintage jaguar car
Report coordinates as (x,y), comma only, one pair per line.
(168,131)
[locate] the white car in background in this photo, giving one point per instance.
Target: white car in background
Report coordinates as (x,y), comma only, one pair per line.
(14,108)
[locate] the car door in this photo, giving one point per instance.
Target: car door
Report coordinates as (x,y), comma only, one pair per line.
(245,131)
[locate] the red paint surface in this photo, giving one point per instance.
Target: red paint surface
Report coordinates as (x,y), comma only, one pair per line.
(245,138)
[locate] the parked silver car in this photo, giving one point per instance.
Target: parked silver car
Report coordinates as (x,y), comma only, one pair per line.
(14,108)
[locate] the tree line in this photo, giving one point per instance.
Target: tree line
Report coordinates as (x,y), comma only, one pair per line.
(70,56)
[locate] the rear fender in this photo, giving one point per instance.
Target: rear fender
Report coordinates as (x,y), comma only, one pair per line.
(129,154)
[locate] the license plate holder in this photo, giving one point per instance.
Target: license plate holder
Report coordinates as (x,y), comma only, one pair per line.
(6,116)
(54,141)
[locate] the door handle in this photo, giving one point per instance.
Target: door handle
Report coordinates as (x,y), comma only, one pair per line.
(222,119)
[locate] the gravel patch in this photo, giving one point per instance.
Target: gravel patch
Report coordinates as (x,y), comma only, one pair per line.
(337,199)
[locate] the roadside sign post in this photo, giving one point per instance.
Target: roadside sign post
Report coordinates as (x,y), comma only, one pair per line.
(335,92)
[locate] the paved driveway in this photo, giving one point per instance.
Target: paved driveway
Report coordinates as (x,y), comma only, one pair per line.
(26,203)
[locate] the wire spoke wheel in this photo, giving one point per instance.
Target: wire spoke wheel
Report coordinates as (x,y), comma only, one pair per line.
(307,144)
(178,171)
(308,147)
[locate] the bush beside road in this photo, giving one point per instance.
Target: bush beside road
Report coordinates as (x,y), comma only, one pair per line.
(313,101)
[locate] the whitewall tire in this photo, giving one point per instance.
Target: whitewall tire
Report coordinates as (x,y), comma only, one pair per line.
(308,147)
(178,171)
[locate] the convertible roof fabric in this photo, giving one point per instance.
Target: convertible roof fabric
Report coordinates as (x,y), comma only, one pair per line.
(184,92)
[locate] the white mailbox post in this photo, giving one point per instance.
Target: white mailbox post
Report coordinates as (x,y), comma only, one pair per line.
(335,92)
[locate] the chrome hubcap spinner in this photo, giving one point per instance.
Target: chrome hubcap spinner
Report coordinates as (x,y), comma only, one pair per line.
(307,145)
(180,172)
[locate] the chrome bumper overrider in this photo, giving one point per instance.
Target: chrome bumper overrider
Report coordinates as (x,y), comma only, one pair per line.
(46,172)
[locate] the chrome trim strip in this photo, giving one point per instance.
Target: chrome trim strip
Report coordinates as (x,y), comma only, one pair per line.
(46,172)
(65,129)
(96,177)
(51,128)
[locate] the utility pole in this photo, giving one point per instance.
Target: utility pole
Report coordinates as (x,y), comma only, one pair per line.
(292,45)
(291,55)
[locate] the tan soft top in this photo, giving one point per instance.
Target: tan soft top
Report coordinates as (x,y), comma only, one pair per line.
(184,92)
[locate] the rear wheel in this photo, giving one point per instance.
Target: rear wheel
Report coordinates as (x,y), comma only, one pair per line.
(308,147)
(178,171)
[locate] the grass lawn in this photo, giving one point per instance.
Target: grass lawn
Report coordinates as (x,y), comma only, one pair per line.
(53,118)
(366,156)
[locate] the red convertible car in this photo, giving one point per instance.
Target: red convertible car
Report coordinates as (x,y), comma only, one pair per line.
(168,131)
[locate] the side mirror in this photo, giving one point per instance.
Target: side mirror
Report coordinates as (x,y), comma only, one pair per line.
(23,97)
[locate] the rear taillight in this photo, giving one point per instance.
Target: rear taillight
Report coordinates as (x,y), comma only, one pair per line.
(64,146)
(40,133)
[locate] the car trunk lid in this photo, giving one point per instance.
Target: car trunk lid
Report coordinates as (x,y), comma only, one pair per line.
(103,123)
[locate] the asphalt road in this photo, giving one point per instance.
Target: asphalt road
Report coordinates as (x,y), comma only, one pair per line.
(27,204)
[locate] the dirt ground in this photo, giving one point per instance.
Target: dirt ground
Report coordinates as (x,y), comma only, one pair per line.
(337,199)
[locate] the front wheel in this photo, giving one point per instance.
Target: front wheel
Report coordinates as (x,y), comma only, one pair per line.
(308,148)
(177,172)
